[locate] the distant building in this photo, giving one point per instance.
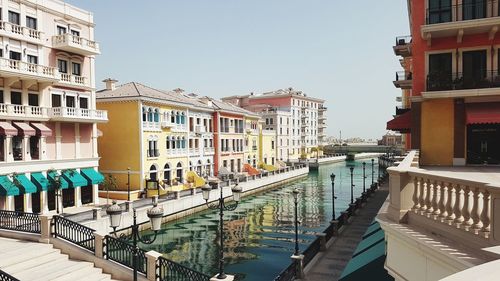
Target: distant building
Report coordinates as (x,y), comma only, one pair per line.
(391,139)
(299,121)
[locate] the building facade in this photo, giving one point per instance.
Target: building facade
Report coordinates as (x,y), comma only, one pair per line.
(455,97)
(299,121)
(48,153)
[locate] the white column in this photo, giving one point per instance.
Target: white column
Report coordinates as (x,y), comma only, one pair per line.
(44,204)
(43,148)
(58,138)
(27,203)
(95,194)
(9,204)
(94,140)
(9,157)
(26,148)
(78,196)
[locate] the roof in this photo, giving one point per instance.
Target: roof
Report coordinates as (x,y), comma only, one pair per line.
(288,92)
(138,90)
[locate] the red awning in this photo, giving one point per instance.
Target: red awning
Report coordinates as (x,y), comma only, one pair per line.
(41,129)
(482,113)
(401,123)
(24,129)
(6,129)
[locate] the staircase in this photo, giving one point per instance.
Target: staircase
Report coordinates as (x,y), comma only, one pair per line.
(41,262)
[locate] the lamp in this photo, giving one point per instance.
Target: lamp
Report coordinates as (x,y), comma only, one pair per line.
(115,215)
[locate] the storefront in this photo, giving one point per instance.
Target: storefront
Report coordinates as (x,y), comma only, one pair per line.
(483,133)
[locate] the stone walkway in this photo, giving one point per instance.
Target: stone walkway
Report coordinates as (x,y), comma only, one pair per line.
(334,260)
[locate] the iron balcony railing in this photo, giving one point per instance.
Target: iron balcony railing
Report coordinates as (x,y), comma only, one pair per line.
(402,76)
(74,232)
(20,221)
(4,276)
(168,270)
(462,12)
(403,40)
(463,80)
(122,253)
(400,110)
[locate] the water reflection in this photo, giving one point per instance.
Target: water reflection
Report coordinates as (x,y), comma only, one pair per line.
(259,234)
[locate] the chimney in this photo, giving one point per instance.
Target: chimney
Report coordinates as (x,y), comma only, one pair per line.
(110,84)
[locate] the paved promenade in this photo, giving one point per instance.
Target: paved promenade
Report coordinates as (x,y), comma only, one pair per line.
(333,261)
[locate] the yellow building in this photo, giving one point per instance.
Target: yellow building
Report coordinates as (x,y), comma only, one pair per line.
(252,132)
(158,135)
(268,148)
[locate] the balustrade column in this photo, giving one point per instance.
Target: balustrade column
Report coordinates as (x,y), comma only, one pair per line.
(416,185)
(465,210)
(441,206)
(485,214)
(475,209)
(457,206)
(435,198)
(449,203)
(428,200)
(422,195)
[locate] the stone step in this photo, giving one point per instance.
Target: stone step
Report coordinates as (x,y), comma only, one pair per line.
(94,277)
(47,273)
(32,264)
(22,255)
(84,272)
(8,246)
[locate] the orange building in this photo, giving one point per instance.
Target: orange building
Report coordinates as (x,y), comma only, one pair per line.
(453,82)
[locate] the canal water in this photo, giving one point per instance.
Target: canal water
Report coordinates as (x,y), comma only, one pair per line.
(259,234)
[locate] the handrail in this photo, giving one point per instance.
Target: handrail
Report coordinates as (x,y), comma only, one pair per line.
(288,274)
(169,270)
(74,232)
(461,12)
(20,221)
(4,276)
(477,79)
(122,253)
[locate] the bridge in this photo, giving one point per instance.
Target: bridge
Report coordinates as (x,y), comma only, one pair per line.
(357,148)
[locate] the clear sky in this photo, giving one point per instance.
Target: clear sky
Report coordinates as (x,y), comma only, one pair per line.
(340,51)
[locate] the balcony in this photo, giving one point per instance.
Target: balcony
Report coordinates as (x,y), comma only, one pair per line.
(400,110)
(322,125)
(8,29)
(194,151)
(209,150)
(403,80)
(74,81)
(321,118)
(200,129)
(462,19)
(322,109)
(403,46)
(73,114)
(75,44)
(167,124)
(462,84)
(23,112)
(19,70)
(152,153)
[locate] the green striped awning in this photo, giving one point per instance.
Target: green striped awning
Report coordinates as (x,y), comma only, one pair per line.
(51,176)
(40,181)
(24,184)
(368,258)
(7,187)
(92,176)
(74,178)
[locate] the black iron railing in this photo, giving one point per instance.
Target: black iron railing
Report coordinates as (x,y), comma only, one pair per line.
(403,40)
(477,79)
(122,253)
(20,221)
(462,12)
(74,232)
(168,270)
(288,274)
(4,276)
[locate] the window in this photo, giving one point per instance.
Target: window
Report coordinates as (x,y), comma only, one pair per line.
(70,101)
(63,66)
(14,18)
(61,30)
(84,103)
(34,149)
(17,150)
(75,33)
(440,76)
(14,55)
(76,69)
(439,11)
(31,22)
(33,99)
(32,59)
(15,98)
(56,100)
(1,96)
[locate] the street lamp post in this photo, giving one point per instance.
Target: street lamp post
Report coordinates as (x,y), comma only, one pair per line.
(332,177)
(57,181)
(364,178)
(373,172)
(155,215)
(295,193)
(128,184)
(237,190)
(352,185)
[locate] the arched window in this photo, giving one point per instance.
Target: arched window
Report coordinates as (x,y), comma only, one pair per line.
(208,168)
(249,161)
(183,118)
(178,142)
(179,173)
(254,162)
(167,174)
(150,115)
(156,116)
(183,142)
(144,115)
(153,175)
(177,117)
